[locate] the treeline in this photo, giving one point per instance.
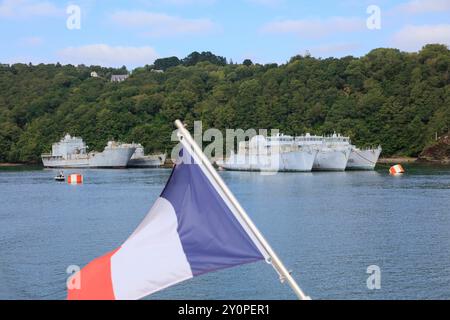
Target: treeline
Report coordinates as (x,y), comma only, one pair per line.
(191,60)
(396,99)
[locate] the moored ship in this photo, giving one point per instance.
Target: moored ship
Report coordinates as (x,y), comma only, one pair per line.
(358,159)
(275,154)
(286,153)
(71,152)
(333,152)
(363,159)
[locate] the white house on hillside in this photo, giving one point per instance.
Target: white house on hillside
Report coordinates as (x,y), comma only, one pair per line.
(119,77)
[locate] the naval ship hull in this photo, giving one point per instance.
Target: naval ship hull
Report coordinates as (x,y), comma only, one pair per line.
(363,159)
(147,162)
(108,159)
(331,159)
(295,161)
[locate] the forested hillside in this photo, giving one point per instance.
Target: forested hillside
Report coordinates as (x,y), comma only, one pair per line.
(396,99)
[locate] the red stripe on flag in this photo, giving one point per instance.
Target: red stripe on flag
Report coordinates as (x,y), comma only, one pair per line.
(95,281)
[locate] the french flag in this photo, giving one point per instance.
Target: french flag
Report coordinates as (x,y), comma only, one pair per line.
(192,229)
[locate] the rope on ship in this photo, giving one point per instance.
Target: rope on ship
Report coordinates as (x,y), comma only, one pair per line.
(373,162)
(362,157)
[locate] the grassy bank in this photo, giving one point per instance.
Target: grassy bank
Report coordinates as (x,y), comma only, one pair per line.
(396,160)
(8,165)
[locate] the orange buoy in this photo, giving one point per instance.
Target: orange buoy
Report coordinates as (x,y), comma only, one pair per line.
(75,179)
(396,170)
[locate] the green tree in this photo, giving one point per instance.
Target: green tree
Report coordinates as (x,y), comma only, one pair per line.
(166,63)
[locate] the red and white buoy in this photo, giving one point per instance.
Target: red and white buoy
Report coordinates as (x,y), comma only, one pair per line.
(75,179)
(397,170)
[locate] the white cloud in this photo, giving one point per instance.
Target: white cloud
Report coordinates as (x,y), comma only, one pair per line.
(31,41)
(105,55)
(314,28)
(335,49)
(188,2)
(424,6)
(270,3)
(413,38)
(28,8)
(177,2)
(160,24)
(27,58)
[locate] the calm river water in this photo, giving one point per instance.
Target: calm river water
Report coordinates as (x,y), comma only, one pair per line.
(328,228)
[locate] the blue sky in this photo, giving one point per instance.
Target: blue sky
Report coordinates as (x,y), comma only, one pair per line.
(134,33)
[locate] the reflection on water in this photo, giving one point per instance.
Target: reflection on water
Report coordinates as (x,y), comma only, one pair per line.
(327,227)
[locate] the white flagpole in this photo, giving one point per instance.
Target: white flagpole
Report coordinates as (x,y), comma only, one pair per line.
(275,261)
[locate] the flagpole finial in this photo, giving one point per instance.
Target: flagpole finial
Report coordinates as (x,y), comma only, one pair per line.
(179,124)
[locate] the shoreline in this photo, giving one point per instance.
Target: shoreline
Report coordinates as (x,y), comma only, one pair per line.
(409,160)
(397,160)
(9,165)
(385,161)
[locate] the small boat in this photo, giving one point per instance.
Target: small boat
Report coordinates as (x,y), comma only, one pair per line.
(60,177)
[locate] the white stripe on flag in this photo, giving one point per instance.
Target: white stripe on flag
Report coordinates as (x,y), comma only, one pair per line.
(152,258)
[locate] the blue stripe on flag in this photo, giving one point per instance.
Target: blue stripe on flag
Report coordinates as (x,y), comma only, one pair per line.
(211,236)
